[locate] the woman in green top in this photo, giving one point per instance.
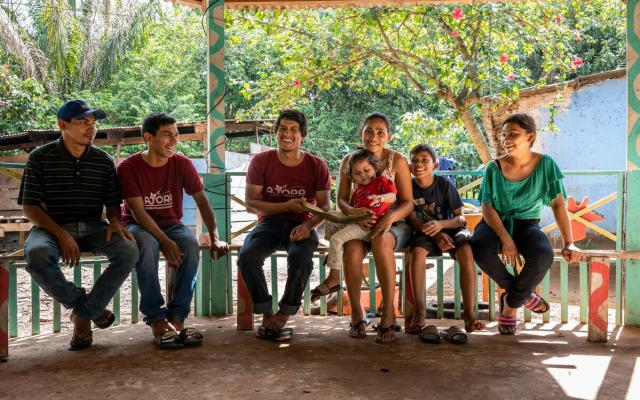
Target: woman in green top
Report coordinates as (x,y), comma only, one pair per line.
(514,190)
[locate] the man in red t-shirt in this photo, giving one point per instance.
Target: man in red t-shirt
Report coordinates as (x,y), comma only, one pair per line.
(278,181)
(152,183)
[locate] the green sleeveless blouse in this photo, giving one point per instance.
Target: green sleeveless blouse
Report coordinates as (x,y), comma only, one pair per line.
(523,199)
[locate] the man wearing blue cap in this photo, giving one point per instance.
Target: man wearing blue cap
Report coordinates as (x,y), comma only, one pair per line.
(65,186)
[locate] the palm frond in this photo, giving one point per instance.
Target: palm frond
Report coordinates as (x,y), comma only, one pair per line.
(33,61)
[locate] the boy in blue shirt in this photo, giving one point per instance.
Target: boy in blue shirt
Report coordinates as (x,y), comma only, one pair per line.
(439,225)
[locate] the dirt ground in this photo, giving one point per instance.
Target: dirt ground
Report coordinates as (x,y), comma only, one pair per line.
(321,362)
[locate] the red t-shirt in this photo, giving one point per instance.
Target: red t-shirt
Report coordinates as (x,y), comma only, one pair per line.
(281,183)
(380,185)
(161,188)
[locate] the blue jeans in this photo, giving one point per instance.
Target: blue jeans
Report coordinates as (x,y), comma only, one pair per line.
(42,253)
(151,300)
(263,240)
(532,244)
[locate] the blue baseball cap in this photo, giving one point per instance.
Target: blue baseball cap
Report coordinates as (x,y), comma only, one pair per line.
(78,108)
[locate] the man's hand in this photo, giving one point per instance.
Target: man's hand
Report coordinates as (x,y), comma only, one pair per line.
(300,232)
(295,205)
(172,253)
(117,228)
(444,241)
(431,228)
(69,249)
(218,249)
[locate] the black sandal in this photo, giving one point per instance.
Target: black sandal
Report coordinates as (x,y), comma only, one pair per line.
(359,329)
(275,334)
(386,334)
(455,335)
(429,334)
(105,319)
(168,340)
(190,336)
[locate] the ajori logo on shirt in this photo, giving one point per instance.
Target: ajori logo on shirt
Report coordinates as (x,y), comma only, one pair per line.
(278,190)
(158,201)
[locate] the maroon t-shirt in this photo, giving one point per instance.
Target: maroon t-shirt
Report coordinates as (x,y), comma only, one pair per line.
(281,183)
(161,188)
(380,185)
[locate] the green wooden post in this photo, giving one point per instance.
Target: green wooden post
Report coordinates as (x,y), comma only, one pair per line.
(35,308)
(219,199)
(403,284)
(197,293)
(274,282)
(584,292)
(619,246)
(564,292)
(546,287)
(492,300)
(306,307)
(372,286)
(632,211)
(440,285)
(134,298)
(323,273)
(77,276)
(217,271)
(457,310)
(56,316)
(340,294)
(116,307)
(13,301)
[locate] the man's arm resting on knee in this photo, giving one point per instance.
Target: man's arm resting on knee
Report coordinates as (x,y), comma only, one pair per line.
(303,230)
(218,247)
(69,249)
(169,248)
(115,226)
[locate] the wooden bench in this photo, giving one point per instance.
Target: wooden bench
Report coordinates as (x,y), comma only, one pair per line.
(598,279)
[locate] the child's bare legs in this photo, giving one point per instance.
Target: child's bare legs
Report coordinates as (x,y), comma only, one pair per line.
(464,255)
(417,271)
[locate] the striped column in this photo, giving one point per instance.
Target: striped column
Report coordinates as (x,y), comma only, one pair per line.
(4,311)
(598,299)
(632,211)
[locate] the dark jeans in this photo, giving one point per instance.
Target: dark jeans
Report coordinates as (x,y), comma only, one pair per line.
(532,244)
(263,240)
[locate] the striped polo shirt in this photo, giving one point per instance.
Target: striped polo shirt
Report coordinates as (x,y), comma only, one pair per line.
(69,189)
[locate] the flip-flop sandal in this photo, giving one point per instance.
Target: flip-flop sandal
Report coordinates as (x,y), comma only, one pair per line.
(275,334)
(414,329)
(386,334)
(105,319)
(169,340)
(359,329)
(455,335)
(534,303)
(396,327)
(506,325)
(323,290)
(190,336)
(80,343)
(429,334)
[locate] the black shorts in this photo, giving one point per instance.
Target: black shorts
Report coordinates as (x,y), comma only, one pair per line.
(460,236)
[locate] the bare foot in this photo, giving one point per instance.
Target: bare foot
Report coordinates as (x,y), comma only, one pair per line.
(471,324)
(161,326)
(417,321)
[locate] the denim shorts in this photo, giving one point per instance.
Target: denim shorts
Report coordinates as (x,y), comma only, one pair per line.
(460,236)
(401,231)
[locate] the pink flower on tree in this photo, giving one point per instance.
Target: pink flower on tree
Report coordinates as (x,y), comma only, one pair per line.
(458,13)
(577,63)
(504,58)
(511,76)
(296,83)
(455,33)
(558,18)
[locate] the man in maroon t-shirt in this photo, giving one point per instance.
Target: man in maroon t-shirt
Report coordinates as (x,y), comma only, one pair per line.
(152,183)
(278,181)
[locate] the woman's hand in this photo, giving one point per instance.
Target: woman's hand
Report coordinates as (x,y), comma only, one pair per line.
(382,226)
(367,223)
(571,252)
(510,254)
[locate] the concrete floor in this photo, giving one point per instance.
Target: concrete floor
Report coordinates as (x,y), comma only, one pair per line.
(322,362)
